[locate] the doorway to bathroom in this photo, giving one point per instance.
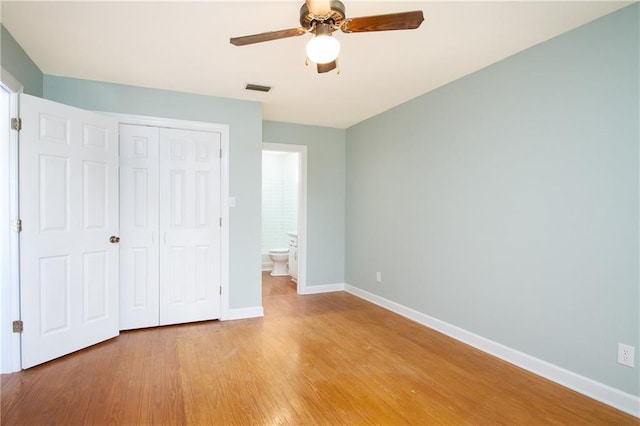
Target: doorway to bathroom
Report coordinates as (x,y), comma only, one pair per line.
(284,214)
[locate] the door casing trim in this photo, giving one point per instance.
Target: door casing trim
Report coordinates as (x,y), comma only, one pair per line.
(10,356)
(302,207)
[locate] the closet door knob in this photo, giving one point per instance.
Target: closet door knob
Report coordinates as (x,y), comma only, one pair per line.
(114,239)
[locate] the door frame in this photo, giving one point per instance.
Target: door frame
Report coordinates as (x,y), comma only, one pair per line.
(223,129)
(302,207)
(10,355)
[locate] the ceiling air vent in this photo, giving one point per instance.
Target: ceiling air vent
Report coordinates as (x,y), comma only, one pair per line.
(258,88)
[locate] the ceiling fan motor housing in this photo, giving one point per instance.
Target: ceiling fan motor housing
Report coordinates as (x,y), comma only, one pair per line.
(334,17)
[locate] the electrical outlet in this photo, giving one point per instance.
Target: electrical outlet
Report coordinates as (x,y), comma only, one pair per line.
(626,354)
(378,277)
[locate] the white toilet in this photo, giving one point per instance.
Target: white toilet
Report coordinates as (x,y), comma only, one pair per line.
(280,258)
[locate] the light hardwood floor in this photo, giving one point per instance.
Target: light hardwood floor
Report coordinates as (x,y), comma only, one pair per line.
(321,359)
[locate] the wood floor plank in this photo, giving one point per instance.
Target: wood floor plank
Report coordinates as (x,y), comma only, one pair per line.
(319,359)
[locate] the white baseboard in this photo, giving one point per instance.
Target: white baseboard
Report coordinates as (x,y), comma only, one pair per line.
(243,313)
(324,288)
(616,398)
(267,266)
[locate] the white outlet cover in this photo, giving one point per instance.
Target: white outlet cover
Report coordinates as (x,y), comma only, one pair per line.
(626,355)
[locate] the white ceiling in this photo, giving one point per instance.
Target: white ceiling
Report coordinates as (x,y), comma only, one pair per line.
(184,46)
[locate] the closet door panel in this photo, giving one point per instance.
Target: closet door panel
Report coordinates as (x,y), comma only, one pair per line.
(139,226)
(190,227)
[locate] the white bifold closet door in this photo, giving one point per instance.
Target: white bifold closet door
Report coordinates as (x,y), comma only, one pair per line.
(139,227)
(170,226)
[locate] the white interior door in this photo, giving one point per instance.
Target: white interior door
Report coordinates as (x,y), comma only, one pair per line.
(139,227)
(190,215)
(69,210)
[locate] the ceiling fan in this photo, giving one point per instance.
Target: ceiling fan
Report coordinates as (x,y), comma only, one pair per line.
(322,18)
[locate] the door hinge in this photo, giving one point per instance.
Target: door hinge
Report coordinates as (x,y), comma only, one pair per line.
(17,225)
(220,152)
(18,326)
(16,124)
(220,290)
(220,222)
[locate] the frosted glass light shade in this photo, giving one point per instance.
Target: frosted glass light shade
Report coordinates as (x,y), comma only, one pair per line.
(323,49)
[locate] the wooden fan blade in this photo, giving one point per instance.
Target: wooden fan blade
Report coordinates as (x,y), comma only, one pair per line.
(271,35)
(392,21)
(319,7)
(327,67)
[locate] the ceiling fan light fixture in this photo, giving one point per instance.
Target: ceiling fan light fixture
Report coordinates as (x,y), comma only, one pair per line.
(323,48)
(324,17)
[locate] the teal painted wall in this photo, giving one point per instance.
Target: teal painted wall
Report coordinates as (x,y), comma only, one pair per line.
(16,61)
(325,195)
(245,144)
(506,203)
